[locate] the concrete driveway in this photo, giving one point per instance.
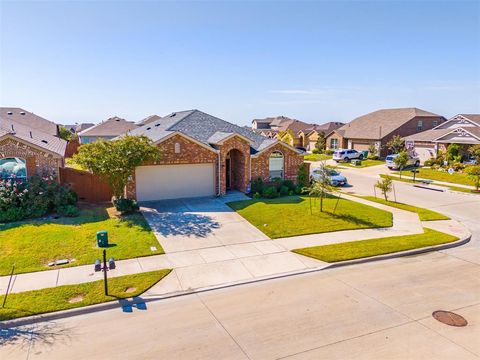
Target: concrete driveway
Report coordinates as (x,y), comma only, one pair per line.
(198,223)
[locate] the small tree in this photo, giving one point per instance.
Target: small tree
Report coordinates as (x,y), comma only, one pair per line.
(474,173)
(475,150)
(396,144)
(401,161)
(115,161)
(320,143)
(65,134)
(372,150)
(385,185)
(322,185)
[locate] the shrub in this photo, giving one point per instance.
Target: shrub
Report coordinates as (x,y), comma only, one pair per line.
(302,176)
(316,151)
(329,152)
(270,192)
(125,206)
(22,199)
(256,195)
(291,192)
(284,190)
(289,184)
(299,189)
(277,182)
(373,157)
(68,210)
(452,152)
(257,186)
(429,162)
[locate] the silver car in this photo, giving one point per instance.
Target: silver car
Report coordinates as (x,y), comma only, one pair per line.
(336,179)
(390,161)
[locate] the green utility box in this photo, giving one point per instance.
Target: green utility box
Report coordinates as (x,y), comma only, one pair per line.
(365,154)
(102,238)
(356,162)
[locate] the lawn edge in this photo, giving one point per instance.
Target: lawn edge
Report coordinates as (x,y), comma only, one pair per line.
(422,250)
(87,309)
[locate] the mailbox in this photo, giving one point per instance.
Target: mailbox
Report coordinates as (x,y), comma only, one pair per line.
(102,238)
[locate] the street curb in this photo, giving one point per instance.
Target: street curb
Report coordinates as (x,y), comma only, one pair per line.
(118,304)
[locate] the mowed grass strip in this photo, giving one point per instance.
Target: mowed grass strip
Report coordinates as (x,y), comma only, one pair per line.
(365,163)
(74,296)
(453,188)
(290,216)
(366,248)
(431,174)
(423,214)
(31,245)
(316,157)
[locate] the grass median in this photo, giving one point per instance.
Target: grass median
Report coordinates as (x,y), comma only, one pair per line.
(418,182)
(366,248)
(66,297)
(290,216)
(31,245)
(423,214)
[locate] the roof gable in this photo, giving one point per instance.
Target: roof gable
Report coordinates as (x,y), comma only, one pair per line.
(9,115)
(113,126)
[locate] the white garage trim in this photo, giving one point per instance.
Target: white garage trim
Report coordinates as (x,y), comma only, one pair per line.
(159,182)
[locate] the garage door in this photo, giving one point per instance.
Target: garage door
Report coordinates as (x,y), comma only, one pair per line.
(425,152)
(159,182)
(360,146)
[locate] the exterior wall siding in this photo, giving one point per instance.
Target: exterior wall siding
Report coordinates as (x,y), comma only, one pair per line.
(37,161)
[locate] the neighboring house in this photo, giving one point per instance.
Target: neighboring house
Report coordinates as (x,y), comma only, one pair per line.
(274,127)
(26,150)
(107,129)
(203,156)
(148,120)
(380,126)
(308,137)
(462,129)
(28,119)
(76,128)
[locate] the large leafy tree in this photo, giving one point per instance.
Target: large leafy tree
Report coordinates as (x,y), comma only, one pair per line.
(475,150)
(320,143)
(474,173)
(115,161)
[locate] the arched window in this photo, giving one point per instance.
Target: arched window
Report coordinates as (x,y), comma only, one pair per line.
(13,168)
(177,148)
(276,165)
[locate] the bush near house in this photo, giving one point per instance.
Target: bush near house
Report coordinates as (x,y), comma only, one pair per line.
(38,196)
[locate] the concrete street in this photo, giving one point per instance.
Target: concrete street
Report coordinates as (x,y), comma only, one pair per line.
(379,310)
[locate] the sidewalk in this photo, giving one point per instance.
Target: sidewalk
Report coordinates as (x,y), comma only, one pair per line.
(229,264)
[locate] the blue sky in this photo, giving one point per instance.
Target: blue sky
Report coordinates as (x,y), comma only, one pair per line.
(315,61)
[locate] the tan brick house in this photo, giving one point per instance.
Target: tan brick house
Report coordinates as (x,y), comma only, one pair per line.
(203,156)
(28,145)
(380,126)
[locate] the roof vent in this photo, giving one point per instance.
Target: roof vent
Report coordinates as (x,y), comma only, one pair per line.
(117,119)
(9,113)
(45,141)
(149,128)
(157,124)
(174,114)
(22,113)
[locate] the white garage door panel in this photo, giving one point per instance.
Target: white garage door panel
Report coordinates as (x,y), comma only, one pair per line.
(158,182)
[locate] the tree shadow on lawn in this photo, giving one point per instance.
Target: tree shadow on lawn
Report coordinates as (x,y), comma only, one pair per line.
(357,221)
(186,224)
(240,205)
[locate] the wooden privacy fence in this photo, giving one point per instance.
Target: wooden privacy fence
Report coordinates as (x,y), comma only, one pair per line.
(88,187)
(72,148)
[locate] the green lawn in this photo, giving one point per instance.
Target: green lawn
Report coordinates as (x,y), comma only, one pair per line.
(73,296)
(290,216)
(365,163)
(366,248)
(31,245)
(423,214)
(426,173)
(455,188)
(316,157)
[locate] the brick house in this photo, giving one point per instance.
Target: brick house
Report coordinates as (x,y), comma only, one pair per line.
(108,129)
(309,136)
(462,129)
(380,126)
(273,127)
(203,156)
(28,145)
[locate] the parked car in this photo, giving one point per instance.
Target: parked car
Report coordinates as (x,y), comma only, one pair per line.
(336,179)
(412,161)
(347,155)
(301,149)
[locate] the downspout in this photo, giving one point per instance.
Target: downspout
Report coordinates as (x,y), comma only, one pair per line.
(219,185)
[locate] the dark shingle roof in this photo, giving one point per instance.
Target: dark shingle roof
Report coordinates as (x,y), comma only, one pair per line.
(113,126)
(200,126)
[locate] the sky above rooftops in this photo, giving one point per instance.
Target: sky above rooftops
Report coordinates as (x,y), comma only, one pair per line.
(314,61)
